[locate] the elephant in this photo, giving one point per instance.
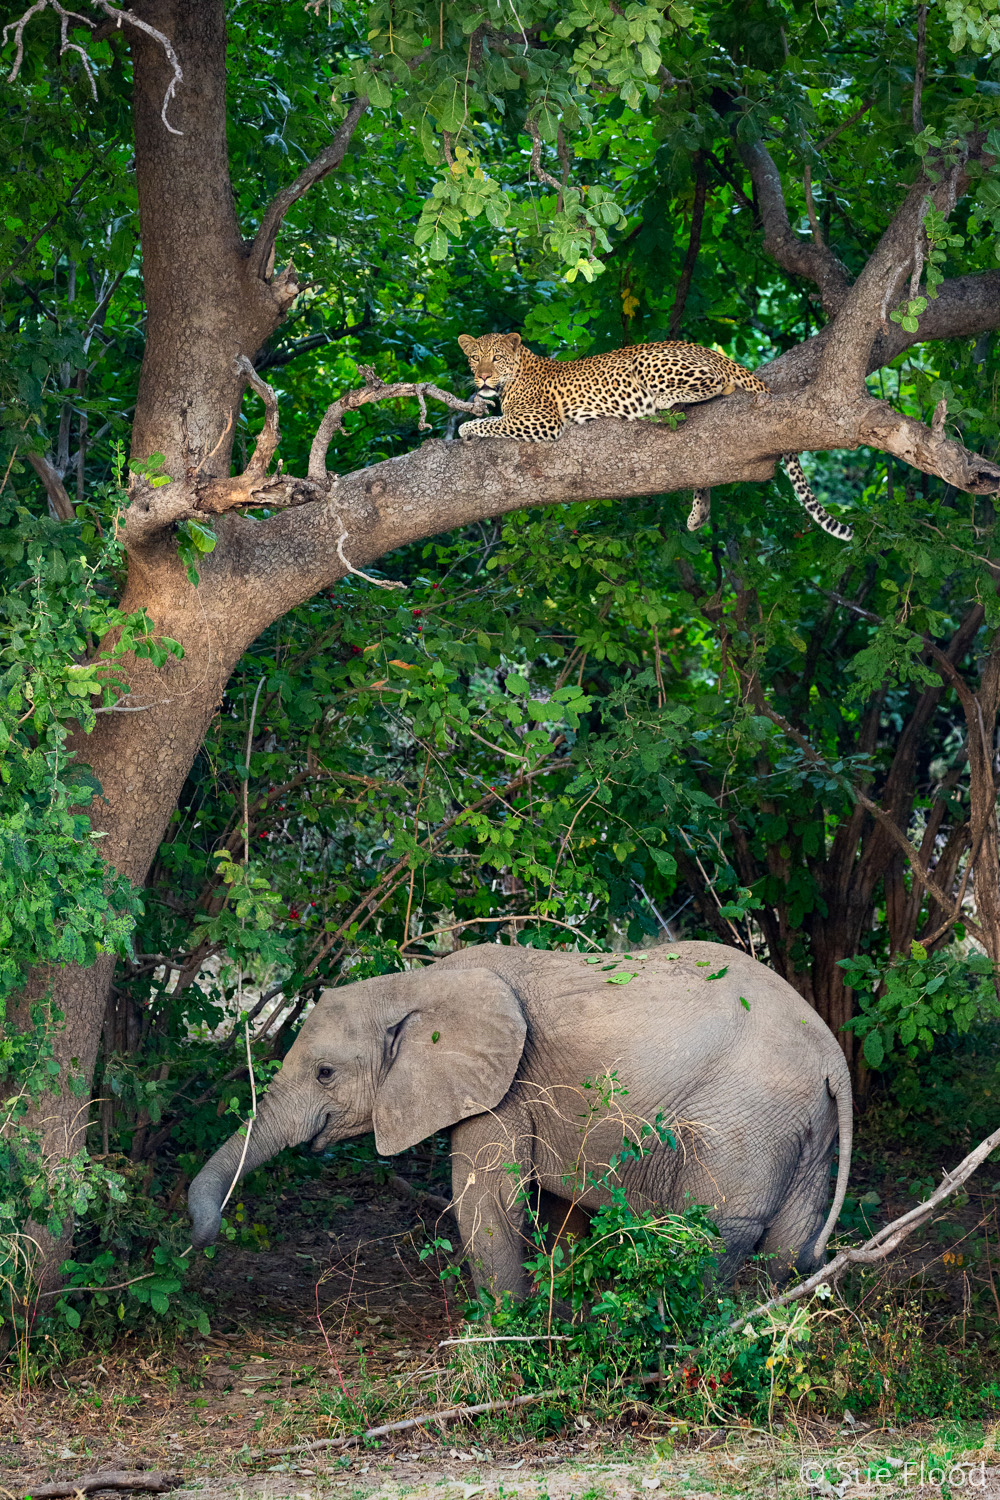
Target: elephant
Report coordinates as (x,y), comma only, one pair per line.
(543,1064)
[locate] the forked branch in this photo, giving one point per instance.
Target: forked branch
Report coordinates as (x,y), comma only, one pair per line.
(865,310)
(243,489)
(116,16)
(375,389)
(816,261)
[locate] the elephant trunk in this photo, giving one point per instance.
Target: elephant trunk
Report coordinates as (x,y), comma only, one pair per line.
(222,1171)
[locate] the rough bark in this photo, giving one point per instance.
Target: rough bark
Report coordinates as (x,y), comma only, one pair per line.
(213,300)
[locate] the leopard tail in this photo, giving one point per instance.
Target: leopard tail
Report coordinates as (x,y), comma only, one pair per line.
(701,509)
(806,498)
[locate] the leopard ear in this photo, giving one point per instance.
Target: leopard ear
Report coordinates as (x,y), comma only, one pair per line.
(514,339)
(465,343)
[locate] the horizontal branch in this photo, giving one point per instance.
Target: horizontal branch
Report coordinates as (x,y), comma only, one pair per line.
(145,1481)
(927,448)
(440,486)
(318,168)
(438,1418)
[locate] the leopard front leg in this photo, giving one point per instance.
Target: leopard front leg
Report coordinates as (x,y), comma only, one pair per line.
(532,427)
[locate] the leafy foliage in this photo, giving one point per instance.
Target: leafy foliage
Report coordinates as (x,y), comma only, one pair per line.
(552,738)
(907,1007)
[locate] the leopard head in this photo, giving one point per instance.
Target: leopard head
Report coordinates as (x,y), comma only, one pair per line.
(495,359)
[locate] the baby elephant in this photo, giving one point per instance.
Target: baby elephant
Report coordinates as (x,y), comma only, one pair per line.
(543,1066)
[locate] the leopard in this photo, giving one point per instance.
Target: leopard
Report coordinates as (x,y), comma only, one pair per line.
(539,397)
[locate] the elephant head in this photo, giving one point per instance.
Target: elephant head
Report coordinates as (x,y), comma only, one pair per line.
(405,1054)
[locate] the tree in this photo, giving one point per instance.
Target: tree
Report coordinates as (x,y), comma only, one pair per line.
(460,99)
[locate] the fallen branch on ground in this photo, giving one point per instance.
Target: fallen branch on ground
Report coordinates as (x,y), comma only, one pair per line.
(404,1189)
(453,1414)
(888,1239)
(110,1479)
(509,1338)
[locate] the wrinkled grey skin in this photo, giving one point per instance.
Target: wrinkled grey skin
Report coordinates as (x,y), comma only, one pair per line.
(498,1043)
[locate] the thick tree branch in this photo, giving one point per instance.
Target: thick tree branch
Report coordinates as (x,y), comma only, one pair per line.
(965,307)
(927,449)
(864,312)
(60,503)
(816,261)
(327,160)
(141,1482)
(443,485)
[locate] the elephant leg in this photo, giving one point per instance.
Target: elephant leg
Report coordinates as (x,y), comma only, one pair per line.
(566,1221)
(792,1233)
(492,1184)
(740,1238)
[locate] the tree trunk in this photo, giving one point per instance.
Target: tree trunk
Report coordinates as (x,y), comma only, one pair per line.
(203,309)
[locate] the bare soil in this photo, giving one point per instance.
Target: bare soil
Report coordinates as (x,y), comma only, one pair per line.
(353,1309)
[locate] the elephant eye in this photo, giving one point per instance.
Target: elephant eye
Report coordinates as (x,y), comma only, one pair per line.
(324,1074)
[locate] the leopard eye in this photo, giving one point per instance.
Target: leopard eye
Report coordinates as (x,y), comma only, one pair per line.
(325,1073)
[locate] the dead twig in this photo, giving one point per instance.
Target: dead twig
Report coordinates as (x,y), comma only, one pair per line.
(375,389)
(454,1414)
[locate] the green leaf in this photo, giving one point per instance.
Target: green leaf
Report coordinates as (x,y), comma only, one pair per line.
(873,1049)
(203,537)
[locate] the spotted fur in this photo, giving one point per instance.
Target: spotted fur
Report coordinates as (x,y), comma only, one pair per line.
(538,397)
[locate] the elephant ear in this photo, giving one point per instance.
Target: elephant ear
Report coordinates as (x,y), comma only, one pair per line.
(453,1054)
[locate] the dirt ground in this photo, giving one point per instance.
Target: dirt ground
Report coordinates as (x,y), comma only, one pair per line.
(349,1320)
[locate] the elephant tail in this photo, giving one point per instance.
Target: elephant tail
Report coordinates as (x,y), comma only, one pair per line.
(840,1087)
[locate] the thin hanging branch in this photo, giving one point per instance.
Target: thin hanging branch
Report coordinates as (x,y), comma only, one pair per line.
(694,245)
